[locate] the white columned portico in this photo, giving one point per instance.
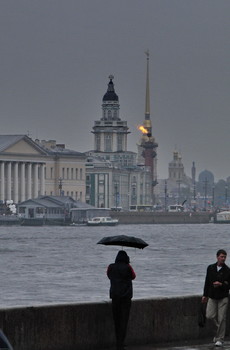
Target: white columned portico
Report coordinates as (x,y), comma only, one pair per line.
(29,180)
(8,188)
(35,194)
(42,174)
(2,196)
(15,194)
(22,173)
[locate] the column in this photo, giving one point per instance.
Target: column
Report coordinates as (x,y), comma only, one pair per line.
(2,189)
(42,175)
(106,192)
(22,173)
(29,180)
(35,189)
(8,186)
(15,194)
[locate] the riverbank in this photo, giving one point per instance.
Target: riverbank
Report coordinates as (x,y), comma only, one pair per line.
(88,326)
(126,218)
(139,217)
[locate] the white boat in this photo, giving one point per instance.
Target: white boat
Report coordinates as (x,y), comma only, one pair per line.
(222,217)
(102,221)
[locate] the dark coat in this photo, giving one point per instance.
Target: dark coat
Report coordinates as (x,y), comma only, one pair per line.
(212,275)
(121,275)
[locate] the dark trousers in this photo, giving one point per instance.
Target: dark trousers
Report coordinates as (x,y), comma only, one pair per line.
(121,308)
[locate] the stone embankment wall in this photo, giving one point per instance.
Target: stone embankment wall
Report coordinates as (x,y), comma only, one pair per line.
(136,217)
(89,326)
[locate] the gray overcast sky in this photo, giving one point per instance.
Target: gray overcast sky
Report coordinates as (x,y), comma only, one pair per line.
(56,56)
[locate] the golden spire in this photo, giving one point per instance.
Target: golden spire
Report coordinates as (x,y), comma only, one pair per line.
(147,98)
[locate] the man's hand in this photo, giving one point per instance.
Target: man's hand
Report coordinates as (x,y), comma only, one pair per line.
(204,300)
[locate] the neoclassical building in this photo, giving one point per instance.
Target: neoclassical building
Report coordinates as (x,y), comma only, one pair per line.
(64,170)
(29,169)
(113,178)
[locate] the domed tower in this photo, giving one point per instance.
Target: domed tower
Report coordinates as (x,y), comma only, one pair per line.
(176,168)
(110,133)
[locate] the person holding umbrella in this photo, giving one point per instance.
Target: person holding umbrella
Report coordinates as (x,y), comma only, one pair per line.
(121,275)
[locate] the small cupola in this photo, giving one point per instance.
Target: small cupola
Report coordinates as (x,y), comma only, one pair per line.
(110,95)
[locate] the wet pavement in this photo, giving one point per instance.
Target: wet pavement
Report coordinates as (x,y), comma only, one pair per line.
(185,345)
(188,345)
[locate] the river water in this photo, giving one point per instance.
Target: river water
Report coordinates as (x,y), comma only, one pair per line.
(43,265)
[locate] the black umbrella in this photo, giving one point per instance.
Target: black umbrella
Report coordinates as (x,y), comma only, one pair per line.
(125,241)
(4,342)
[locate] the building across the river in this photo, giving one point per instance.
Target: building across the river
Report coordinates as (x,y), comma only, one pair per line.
(114,178)
(29,169)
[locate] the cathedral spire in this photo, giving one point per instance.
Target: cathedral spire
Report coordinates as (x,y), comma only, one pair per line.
(147,97)
(147,122)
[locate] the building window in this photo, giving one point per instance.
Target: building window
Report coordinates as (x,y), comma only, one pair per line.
(108,143)
(63,173)
(76,173)
(98,142)
(71,173)
(67,173)
(51,172)
(119,142)
(22,210)
(76,195)
(80,174)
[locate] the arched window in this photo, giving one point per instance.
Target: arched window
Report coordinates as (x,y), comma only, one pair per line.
(109,115)
(98,142)
(119,142)
(108,143)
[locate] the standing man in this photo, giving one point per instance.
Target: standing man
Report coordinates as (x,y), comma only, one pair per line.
(121,275)
(216,290)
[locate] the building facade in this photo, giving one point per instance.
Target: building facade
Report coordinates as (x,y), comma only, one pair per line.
(113,178)
(64,171)
(111,187)
(22,168)
(29,169)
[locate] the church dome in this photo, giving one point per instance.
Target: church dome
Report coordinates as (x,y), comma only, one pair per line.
(206,175)
(110,95)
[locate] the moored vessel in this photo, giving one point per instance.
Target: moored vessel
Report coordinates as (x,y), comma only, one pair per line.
(102,221)
(222,217)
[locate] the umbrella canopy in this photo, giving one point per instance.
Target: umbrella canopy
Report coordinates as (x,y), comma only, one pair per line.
(124,241)
(4,342)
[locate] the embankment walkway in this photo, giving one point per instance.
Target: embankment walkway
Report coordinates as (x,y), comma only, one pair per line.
(181,346)
(89,326)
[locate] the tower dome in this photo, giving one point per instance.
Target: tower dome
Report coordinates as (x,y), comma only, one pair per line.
(206,175)
(110,95)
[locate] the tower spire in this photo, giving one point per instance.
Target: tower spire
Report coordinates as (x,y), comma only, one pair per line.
(147,147)
(147,97)
(147,121)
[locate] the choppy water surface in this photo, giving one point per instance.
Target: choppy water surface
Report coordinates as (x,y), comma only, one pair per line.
(41,265)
